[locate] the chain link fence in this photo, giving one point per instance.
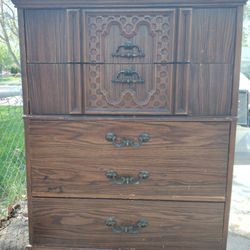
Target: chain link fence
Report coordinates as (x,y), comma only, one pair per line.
(12,162)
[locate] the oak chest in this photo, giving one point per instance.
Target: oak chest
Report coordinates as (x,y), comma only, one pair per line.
(130,117)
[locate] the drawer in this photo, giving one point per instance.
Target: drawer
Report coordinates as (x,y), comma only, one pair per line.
(120,224)
(140,36)
(129,88)
(179,160)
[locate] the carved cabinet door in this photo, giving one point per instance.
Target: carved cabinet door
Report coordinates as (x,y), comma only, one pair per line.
(130,55)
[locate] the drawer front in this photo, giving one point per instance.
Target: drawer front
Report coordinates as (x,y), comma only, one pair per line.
(184,160)
(129,88)
(120,224)
(128,35)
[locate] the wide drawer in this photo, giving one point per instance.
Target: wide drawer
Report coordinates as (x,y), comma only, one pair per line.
(182,160)
(119,224)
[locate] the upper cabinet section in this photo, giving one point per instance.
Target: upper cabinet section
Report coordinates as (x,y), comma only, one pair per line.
(166,61)
(205,35)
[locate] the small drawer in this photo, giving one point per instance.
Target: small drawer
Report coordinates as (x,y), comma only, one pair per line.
(128,88)
(120,224)
(140,36)
(129,159)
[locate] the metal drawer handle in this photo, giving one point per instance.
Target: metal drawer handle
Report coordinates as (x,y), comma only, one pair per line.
(127,76)
(112,175)
(128,50)
(129,229)
(125,142)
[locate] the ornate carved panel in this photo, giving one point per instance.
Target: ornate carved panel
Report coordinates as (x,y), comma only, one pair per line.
(123,88)
(151,33)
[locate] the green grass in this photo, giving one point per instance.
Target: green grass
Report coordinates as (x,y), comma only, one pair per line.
(10,80)
(12,163)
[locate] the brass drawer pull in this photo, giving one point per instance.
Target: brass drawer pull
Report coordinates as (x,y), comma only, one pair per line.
(128,50)
(125,142)
(112,175)
(130,229)
(128,76)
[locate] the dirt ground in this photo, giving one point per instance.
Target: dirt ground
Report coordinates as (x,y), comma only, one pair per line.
(14,232)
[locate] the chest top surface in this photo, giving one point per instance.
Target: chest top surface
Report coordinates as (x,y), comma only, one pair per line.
(119,3)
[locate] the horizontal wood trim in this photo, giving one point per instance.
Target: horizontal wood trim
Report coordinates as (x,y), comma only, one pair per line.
(129,118)
(174,225)
(120,3)
(153,198)
(29,247)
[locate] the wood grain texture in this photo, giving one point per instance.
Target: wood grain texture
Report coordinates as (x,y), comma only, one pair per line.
(48,85)
(237,61)
(210,89)
(46,34)
(65,161)
(70,104)
(33,247)
(53,36)
(28,177)
(75,91)
(213,35)
(233,124)
(22,40)
(171,225)
(183,55)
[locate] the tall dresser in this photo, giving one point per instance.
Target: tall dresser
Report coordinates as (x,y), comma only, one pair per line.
(130,117)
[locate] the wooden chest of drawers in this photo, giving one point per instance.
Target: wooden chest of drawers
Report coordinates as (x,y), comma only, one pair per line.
(130,117)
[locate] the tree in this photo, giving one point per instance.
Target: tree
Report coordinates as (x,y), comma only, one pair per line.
(9,30)
(246,28)
(5,58)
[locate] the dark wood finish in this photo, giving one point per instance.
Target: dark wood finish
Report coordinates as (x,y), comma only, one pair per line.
(86,36)
(185,164)
(171,225)
(237,61)
(154,95)
(183,55)
(187,103)
(22,40)
(75,89)
(29,247)
(48,88)
(213,35)
(107,30)
(46,37)
(122,3)
(28,177)
(145,118)
(210,89)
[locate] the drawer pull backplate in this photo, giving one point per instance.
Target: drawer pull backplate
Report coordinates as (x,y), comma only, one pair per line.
(128,76)
(126,142)
(117,179)
(128,50)
(130,229)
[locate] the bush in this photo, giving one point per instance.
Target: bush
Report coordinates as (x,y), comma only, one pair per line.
(14,70)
